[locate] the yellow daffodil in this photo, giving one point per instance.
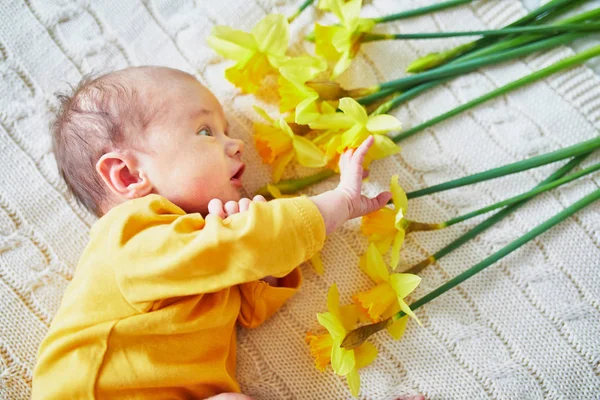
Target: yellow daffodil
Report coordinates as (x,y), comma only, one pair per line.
(387,297)
(356,126)
(294,73)
(277,145)
(340,43)
(257,54)
(386,227)
(327,348)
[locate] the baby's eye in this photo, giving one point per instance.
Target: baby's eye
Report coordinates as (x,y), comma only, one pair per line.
(204,132)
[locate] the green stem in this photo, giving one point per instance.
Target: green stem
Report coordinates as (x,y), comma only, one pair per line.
(452,70)
(495,48)
(471,65)
(300,9)
(563,64)
(546,29)
(291,186)
(523,165)
(491,221)
(433,60)
(524,196)
(420,11)
(590,15)
(355,338)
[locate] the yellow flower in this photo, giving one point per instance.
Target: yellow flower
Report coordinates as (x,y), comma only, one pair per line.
(357,126)
(257,54)
(387,297)
(386,227)
(277,145)
(327,348)
(294,73)
(340,43)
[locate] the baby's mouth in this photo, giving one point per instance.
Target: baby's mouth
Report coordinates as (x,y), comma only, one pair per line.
(238,175)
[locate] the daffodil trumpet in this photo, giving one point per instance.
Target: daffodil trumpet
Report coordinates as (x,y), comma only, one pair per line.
(414,226)
(536,76)
(491,221)
(358,336)
(547,10)
(523,165)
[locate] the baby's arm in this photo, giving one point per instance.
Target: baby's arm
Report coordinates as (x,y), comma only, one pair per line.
(336,206)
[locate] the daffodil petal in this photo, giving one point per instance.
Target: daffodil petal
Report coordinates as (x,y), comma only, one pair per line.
(404,307)
(307,110)
(374,265)
(396,330)
(302,69)
(317,263)
(354,110)
(334,121)
(365,354)
(398,196)
(272,34)
(383,124)
(382,147)
(351,12)
(323,42)
(263,114)
(342,360)
(333,300)
(404,284)
(279,165)
(274,191)
(307,153)
(342,64)
(333,325)
(232,43)
(354,136)
(396,247)
(284,127)
(353,380)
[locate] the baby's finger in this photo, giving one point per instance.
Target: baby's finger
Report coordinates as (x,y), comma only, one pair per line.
(374,204)
(259,198)
(215,207)
(231,207)
(244,204)
(359,154)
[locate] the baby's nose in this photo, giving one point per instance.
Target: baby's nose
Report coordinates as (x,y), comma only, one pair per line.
(234,147)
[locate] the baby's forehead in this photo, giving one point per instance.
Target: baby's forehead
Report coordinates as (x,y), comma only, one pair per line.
(170,95)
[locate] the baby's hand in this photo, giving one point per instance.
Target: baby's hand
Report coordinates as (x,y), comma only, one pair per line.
(216,207)
(351,177)
(346,201)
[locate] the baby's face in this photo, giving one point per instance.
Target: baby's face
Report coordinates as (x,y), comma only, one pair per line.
(190,158)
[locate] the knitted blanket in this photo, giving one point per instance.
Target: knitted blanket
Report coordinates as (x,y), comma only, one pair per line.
(525,328)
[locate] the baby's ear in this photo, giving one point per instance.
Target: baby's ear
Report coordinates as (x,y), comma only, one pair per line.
(121,174)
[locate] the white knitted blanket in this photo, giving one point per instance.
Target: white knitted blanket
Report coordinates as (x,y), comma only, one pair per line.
(526,328)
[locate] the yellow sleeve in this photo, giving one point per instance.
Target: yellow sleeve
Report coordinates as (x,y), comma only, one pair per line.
(261,300)
(160,252)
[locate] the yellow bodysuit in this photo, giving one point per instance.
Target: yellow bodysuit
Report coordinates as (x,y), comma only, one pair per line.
(152,308)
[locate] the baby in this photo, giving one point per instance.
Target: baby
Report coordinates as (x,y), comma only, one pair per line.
(177,257)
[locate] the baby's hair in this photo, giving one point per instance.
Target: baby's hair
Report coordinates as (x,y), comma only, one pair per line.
(97,117)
